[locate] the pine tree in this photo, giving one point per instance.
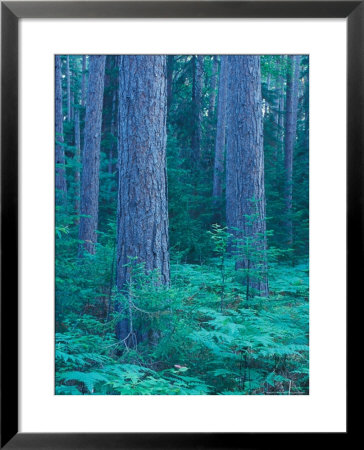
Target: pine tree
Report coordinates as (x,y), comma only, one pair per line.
(61,184)
(142,231)
(91,155)
(290,139)
(220,132)
(245,193)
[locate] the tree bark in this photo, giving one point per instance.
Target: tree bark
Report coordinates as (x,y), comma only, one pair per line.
(78,161)
(61,184)
(245,194)
(68,76)
(290,134)
(113,131)
(220,132)
(170,64)
(214,75)
(197,107)
(91,155)
(281,118)
(83,83)
(142,231)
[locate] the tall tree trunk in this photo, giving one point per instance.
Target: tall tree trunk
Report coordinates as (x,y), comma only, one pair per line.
(72,115)
(109,108)
(61,184)
(281,117)
(197,107)
(279,112)
(245,194)
(291,125)
(78,161)
(306,107)
(113,131)
(91,155)
(142,199)
(215,69)
(220,132)
(68,76)
(170,64)
(83,82)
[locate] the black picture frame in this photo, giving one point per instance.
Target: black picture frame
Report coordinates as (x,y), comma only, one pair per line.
(11,12)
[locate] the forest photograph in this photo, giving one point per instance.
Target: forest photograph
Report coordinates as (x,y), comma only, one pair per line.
(181,224)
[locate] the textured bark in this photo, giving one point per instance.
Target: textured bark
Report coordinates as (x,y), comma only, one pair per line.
(142,198)
(214,76)
(68,76)
(61,185)
(78,161)
(197,107)
(83,83)
(91,155)
(220,132)
(281,115)
(113,131)
(290,134)
(245,195)
(170,64)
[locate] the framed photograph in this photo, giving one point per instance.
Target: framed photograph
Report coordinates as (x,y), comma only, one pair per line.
(181,219)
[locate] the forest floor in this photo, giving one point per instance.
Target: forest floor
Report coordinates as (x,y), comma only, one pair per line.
(209,339)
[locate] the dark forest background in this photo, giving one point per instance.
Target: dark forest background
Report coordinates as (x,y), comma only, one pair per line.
(182,222)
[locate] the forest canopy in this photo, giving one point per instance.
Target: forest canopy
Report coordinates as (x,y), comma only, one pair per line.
(182,224)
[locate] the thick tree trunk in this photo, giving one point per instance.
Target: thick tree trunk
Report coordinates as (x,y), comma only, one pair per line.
(91,155)
(142,199)
(78,161)
(61,184)
(220,132)
(197,107)
(245,195)
(68,76)
(290,134)
(215,69)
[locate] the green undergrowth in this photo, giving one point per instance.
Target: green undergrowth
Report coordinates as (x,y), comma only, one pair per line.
(211,339)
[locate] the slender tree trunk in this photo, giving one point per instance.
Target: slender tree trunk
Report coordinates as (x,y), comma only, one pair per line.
(68,76)
(291,125)
(197,107)
(83,83)
(245,195)
(109,109)
(307,111)
(113,132)
(279,113)
(61,184)
(281,119)
(142,231)
(72,105)
(91,155)
(78,161)
(220,132)
(215,69)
